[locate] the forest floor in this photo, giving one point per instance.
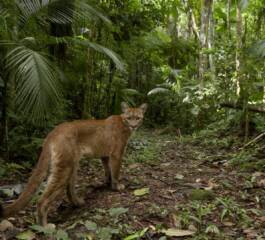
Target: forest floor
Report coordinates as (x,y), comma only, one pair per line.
(196,187)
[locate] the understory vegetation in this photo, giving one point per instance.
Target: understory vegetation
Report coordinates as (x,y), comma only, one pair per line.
(195,169)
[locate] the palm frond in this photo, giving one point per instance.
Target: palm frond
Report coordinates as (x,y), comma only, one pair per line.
(112,55)
(59,11)
(130,91)
(3,12)
(38,88)
(84,10)
(157,90)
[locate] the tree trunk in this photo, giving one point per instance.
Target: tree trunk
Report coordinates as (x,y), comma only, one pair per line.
(211,41)
(194,25)
(228,18)
(238,52)
(206,8)
(242,90)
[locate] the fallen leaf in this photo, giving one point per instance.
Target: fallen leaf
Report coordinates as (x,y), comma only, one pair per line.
(228,224)
(211,185)
(115,212)
(261,183)
(136,235)
(176,221)
(250,232)
(179,176)
(91,226)
(174,232)
(192,228)
(134,165)
(257,174)
(4,225)
(165,164)
(62,235)
(262,218)
(141,192)
(27,235)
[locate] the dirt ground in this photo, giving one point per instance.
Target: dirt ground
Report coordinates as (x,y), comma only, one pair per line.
(183,184)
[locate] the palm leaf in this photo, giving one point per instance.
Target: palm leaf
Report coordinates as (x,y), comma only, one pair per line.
(130,91)
(38,88)
(112,55)
(157,90)
(86,43)
(59,11)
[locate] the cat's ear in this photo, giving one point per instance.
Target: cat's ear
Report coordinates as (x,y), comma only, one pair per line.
(124,107)
(143,107)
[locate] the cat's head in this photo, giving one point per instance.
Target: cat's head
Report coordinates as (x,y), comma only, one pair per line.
(133,117)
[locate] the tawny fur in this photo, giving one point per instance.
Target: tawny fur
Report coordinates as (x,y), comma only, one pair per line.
(62,150)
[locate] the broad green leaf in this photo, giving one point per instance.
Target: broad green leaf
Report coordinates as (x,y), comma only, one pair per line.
(46,230)
(61,235)
(27,235)
(106,233)
(137,234)
(90,226)
(141,192)
(115,212)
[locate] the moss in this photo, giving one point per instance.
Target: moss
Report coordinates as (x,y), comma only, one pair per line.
(200,194)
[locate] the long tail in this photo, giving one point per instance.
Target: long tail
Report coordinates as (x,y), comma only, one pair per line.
(38,175)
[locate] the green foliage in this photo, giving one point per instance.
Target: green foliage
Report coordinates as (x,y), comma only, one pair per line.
(142,149)
(51,232)
(200,194)
(231,209)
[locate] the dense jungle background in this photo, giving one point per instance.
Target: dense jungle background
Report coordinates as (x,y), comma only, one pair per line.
(195,169)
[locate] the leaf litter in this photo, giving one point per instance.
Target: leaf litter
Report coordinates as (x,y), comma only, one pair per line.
(157,200)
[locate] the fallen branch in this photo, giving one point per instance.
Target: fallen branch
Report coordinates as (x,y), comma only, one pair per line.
(250,108)
(254,140)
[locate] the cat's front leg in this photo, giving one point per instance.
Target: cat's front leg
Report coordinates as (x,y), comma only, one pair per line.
(115,165)
(106,163)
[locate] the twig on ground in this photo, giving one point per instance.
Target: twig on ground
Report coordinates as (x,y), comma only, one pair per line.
(253,140)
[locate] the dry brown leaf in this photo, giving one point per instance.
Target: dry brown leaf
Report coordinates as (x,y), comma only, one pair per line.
(250,232)
(5,225)
(257,174)
(228,224)
(175,220)
(261,183)
(211,185)
(174,232)
(262,218)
